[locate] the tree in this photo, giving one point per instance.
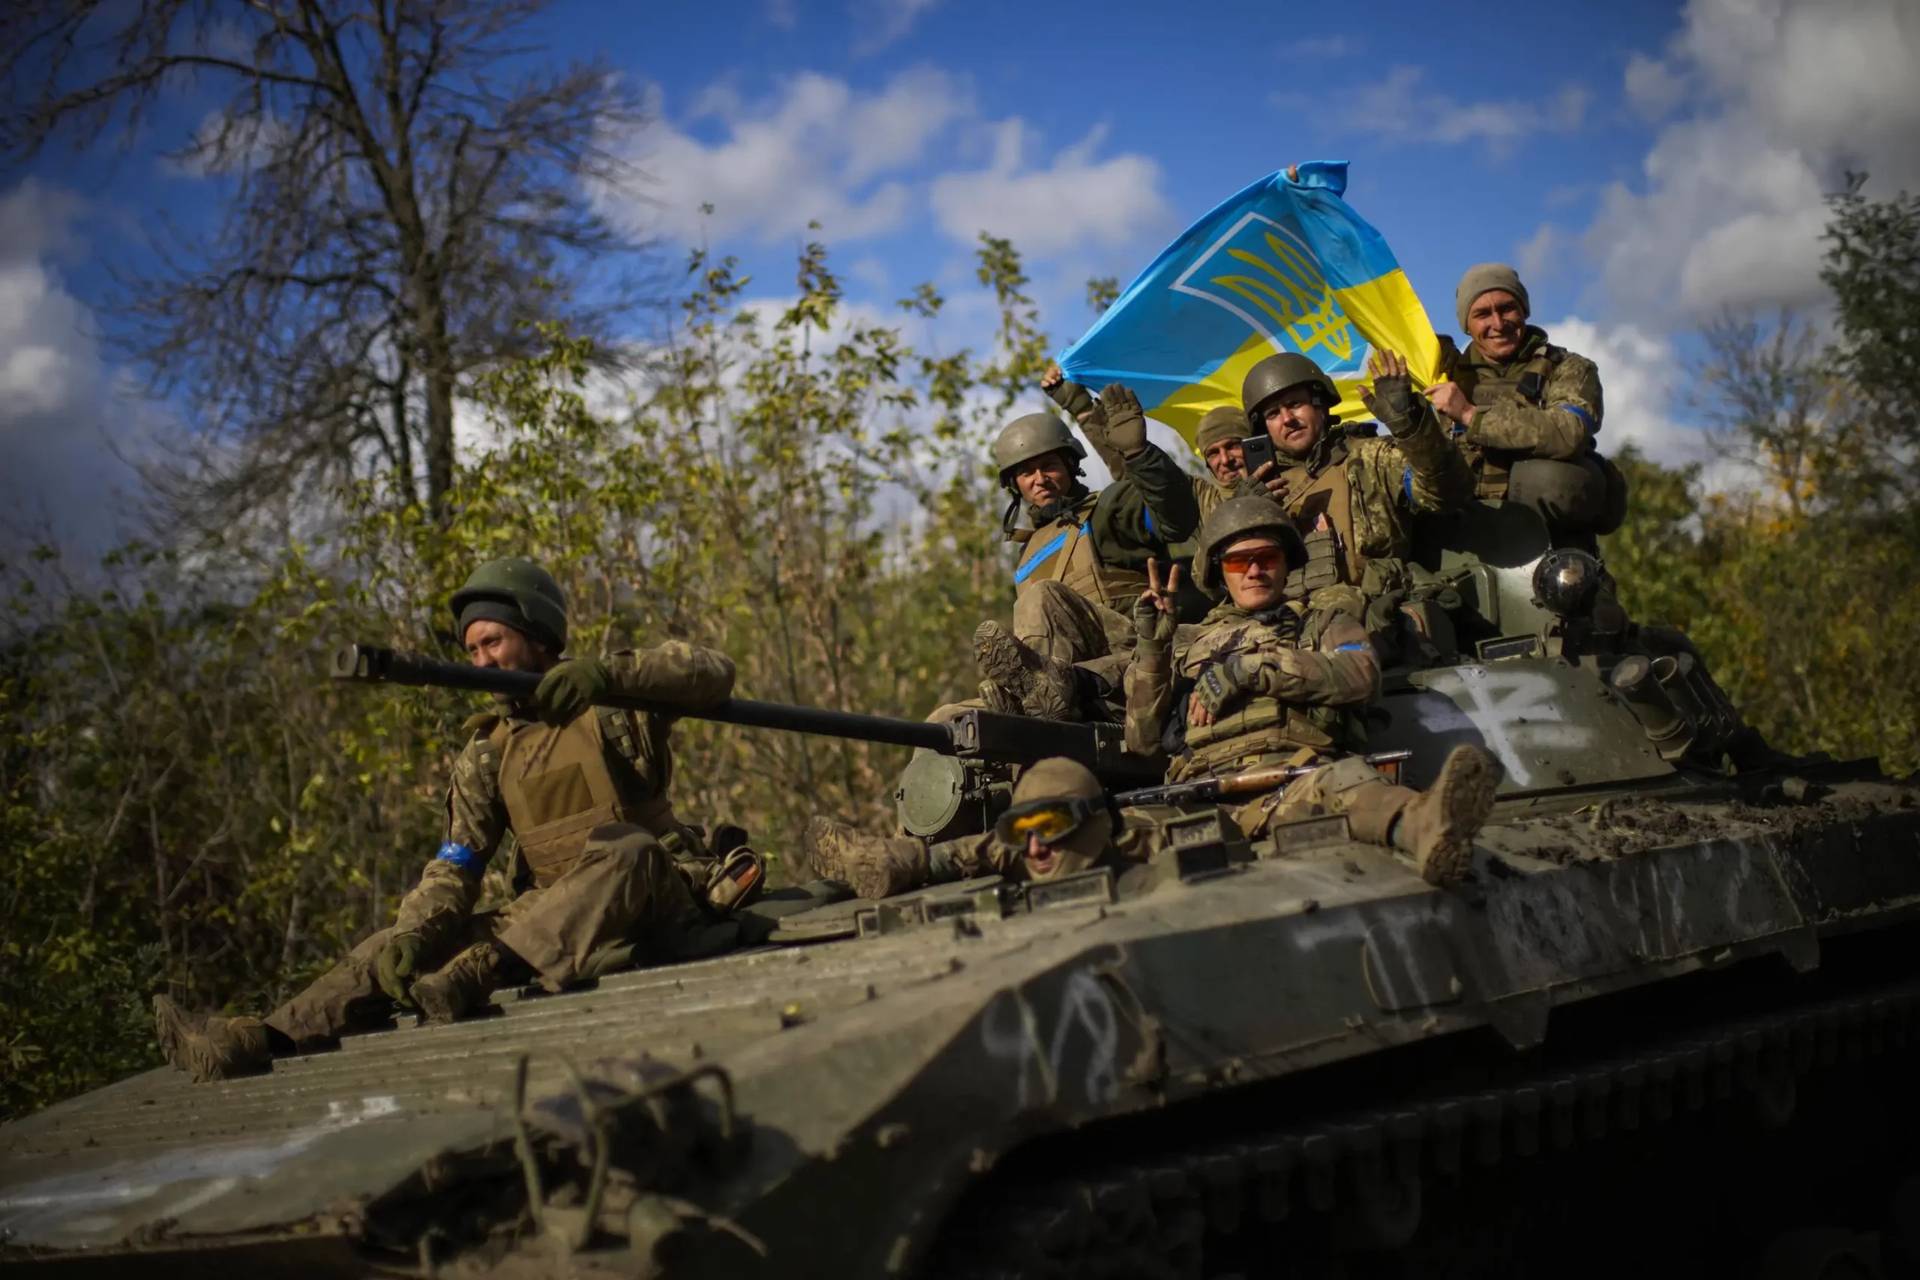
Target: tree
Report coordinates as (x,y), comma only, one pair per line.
(404,197)
(1873,268)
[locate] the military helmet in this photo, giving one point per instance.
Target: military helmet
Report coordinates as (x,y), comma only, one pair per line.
(1232,520)
(519,593)
(1060,801)
(1028,437)
(1223,423)
(1275,374)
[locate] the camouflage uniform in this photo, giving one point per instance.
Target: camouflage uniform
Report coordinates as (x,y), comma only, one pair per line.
(595,862)
(1080,567)
(1354,500)
(1543,403)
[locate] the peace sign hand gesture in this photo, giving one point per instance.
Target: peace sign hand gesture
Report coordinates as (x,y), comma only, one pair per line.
(1154,613)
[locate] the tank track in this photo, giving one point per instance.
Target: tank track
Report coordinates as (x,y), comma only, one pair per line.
(1399,1189)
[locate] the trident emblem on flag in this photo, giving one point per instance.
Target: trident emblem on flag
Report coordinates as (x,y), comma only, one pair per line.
(1281,290)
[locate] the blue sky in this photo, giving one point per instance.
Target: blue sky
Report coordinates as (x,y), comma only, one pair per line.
(1645,164)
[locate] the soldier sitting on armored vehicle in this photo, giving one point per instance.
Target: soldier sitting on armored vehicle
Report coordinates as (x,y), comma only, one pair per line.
(1355,499)
(1082,561)
(602,859)
(1263,681)
(1525,412)
(1059,821)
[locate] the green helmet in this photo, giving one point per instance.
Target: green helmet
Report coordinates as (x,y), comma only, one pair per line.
(1029,436)
(1275,374)
(1063,802)
(517,592)
(1232,520)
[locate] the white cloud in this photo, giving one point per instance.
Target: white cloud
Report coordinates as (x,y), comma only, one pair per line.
(858,163)
(1540,253)
(816,152)
(878,23)
(1641,380)
(1401,107)
(1074,200)
(1792,93)
(67,426)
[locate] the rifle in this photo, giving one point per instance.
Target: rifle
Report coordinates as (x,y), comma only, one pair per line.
(1206,790)
(975,735)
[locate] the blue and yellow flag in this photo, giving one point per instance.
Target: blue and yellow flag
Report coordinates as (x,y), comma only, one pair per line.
(1285,265)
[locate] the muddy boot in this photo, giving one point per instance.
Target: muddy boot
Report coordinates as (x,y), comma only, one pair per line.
(1039,685)
(996,698)
(460,988)
(1438,826)
(210,1048)
(872,866)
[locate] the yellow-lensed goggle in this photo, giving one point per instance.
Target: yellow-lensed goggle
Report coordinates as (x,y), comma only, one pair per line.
(1050,820)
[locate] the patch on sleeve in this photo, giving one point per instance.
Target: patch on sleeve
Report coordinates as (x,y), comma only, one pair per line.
(460,856)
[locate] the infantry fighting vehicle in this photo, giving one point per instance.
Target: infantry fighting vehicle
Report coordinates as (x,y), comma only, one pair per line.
(1668,1025)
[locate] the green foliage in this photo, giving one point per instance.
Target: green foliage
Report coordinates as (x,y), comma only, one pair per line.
(1873,268)
(192,806)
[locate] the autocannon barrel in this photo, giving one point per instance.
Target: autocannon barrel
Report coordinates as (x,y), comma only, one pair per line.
(972,735)
(372,664)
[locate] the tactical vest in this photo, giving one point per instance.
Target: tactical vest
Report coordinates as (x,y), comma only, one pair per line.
(558,783)
(1063,551)
(1525,382)
(1319,486)
(1262,730)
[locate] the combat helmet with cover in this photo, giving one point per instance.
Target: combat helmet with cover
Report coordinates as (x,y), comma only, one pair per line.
(1029,436)
(518,592)
(1278,373)
(1062,802)
(1237,518)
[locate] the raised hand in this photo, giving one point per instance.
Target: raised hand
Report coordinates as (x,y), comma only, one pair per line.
(1154,613)
(1126,421)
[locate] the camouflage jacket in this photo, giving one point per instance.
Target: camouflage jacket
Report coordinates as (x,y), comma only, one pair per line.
(1307,668)
(1362,493)
(630,748)
(1136,517)
(1543,403)
(1209,493)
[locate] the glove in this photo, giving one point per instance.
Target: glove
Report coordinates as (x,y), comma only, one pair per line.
(1390,399)
(1153,627)
(395,965)
(1126,422)
(1223,684)
(571,687)
(1071,396)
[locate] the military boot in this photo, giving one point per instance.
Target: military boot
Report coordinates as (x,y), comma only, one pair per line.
(1040,685)
(459,988)
(210,1048)
(1438,826)
(872,866)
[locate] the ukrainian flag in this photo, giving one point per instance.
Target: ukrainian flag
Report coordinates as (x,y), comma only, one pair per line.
(1285,265)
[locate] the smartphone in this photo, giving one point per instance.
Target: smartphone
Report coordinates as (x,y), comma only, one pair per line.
(1258,449)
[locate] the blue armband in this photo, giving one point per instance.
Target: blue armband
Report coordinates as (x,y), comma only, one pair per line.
(1351,647)
(460,856)
(1586,419)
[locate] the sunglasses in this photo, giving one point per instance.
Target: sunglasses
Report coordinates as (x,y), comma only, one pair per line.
(1050,820)
(1241,561)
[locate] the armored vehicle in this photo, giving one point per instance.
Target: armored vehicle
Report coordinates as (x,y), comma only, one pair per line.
(1668,1025)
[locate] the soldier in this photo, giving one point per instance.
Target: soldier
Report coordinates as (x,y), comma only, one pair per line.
(582,788)
(1218,438)
(1083,560)
(1355,498)
(1060,821)
(1265,681)
(1513,396)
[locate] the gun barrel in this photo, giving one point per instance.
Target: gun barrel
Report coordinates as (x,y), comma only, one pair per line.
(372,664)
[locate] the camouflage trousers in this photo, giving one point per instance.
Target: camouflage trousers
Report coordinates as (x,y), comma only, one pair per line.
(619,890)
(1349,786)
(1064,625)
